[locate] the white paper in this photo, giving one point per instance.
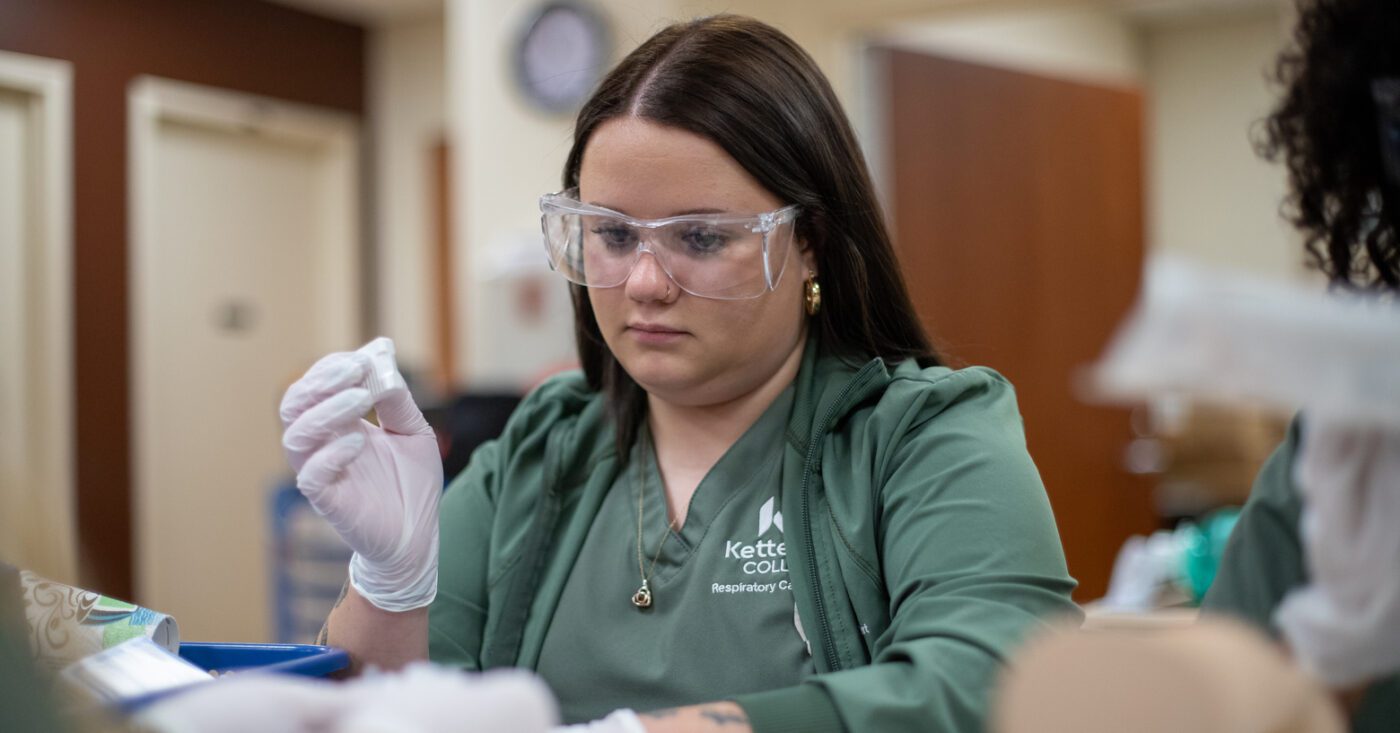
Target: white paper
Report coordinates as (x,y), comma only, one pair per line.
(131,669)
(1227,338)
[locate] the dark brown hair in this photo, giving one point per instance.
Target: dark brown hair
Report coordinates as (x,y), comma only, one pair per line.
(754,92)
(1325,132)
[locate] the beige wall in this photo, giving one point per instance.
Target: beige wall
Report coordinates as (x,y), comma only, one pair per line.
(1086,41)
(508,154)
(407,69)
(1210,197)
(504,157)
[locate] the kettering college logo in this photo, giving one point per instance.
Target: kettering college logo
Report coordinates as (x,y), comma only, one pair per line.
(764,556)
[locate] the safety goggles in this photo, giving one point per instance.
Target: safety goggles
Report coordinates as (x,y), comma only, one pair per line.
(713,255)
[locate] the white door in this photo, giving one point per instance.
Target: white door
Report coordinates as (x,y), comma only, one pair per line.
(36,472)
(244,273)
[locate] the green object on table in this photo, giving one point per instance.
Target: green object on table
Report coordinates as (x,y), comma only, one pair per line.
(1205,545)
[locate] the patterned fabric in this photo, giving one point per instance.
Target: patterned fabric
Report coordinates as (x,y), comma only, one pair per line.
(25,700)
(67,623)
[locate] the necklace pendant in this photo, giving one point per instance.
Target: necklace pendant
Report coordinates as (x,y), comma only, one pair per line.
(642,598)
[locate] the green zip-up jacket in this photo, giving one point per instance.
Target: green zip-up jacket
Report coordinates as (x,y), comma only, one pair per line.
(923,548)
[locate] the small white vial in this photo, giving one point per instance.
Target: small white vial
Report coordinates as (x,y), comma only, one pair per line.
(384,374)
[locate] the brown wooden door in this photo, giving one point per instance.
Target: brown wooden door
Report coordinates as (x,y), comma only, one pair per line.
(1017,204)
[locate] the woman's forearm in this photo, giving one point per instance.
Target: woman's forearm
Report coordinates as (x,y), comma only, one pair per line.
(715,716)
(373,636)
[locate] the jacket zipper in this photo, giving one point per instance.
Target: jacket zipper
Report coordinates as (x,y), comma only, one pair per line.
(520,597)
(823,624)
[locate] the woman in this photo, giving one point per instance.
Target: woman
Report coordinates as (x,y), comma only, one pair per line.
(1333,593)
(761,491)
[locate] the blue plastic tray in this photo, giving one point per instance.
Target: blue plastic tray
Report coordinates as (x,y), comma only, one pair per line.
(307,660)
(304,659)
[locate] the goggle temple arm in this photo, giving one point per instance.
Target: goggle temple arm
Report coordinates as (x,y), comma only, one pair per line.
(769,223)
(767,264)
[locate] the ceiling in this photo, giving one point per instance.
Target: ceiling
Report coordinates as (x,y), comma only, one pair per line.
(386,12)
(1153,11)
(370,12)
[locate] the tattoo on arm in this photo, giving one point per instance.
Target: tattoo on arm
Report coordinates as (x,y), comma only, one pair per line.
(324,636)
(720,716)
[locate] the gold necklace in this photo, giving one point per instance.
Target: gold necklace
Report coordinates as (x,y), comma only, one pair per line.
(642,598)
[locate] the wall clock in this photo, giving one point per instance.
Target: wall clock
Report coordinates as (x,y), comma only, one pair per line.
(561,54)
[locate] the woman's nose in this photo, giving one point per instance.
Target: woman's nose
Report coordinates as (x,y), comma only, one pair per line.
(648,280)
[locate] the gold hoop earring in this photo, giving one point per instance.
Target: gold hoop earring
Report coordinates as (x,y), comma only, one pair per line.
(812,295)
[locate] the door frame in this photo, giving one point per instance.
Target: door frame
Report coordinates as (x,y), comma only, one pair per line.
(152,101)
(49,85)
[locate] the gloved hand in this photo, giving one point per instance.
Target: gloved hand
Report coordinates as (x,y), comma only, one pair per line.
(379,486)
(618,721)
(265,703)
(1344,625)
(422,698)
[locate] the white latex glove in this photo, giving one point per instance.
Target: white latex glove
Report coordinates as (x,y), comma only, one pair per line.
(1344,625)
(265,703)
(379,486)
(618,721)
(424,698)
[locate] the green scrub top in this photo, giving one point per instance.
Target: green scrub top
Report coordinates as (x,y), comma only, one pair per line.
(1263,561)
(723,621)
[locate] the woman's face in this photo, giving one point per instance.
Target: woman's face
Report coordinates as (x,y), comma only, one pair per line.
(680,347)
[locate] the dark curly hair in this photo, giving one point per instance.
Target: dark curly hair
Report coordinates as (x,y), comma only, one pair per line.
(1325,132)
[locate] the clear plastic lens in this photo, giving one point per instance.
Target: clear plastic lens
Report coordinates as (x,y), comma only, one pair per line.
(728,258)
